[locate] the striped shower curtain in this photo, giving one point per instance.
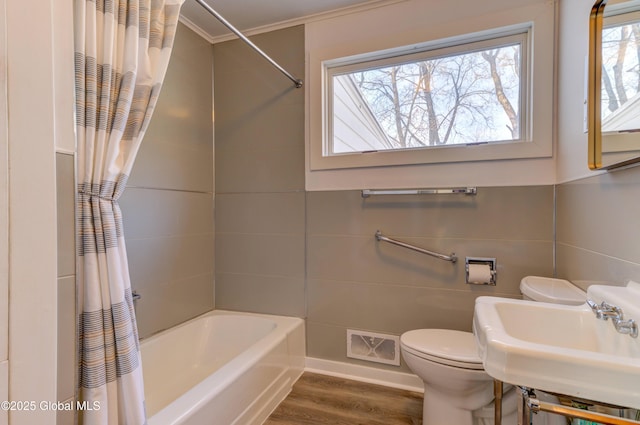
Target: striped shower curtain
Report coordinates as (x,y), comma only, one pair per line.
(122,50)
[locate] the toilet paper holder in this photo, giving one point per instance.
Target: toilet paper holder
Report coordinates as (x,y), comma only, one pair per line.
(479,275)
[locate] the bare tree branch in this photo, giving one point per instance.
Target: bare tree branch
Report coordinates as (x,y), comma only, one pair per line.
(618,67)
(611,94)
(490,56)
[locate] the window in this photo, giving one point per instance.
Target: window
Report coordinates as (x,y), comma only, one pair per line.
(620,73)
(468,93)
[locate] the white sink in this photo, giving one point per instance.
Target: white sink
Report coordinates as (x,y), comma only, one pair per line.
(562,349)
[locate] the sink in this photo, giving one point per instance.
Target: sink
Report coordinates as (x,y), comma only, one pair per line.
(562,349)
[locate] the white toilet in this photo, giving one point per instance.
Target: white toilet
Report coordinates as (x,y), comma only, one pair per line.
(456,388)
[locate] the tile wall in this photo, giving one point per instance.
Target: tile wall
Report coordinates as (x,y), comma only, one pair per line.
(65,192)
(355,282)
(168,204)
(598,238)
(259,167)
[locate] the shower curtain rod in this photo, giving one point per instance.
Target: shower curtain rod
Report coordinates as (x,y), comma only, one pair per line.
(237,32)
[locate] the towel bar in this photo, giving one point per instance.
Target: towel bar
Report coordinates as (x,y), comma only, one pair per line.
(464,190)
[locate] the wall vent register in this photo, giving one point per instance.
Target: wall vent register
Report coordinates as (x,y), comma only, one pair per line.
(373,347)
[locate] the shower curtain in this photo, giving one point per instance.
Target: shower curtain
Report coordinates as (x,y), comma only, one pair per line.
(122,49)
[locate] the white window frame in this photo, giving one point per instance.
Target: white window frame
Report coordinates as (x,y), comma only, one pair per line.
(534,143)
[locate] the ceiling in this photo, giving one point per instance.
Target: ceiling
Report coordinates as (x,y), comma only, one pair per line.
(250,14)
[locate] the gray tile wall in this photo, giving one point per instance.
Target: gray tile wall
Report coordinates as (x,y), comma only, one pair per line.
(598,231)
(355,282)
(168,206)
(65,192)
(270,235)
(259,174)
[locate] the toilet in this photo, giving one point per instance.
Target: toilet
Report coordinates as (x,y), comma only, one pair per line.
(457,390)
(549,290)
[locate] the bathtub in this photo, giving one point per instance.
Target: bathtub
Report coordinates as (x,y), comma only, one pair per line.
(221,368)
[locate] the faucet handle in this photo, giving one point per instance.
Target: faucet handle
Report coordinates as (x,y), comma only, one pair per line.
(629,327)
(595,308)
(605,306)
(608,310)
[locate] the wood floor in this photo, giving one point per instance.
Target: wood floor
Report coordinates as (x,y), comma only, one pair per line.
(320,399)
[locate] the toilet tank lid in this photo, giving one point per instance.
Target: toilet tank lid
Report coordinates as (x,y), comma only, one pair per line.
(550,290)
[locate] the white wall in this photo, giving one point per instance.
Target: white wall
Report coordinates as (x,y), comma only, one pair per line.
(410,22)
(63,74)
(32,208)
(4,230)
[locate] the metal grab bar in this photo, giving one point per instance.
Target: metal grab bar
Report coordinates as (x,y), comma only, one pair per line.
(251,44)
(381,237)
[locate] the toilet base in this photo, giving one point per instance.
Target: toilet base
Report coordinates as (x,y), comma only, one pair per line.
(439,408)
(486,415)
(439,412)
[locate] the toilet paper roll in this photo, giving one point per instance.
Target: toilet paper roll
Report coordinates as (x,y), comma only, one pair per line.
(479,273)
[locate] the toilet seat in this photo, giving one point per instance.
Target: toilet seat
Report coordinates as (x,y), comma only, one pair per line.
(447,347)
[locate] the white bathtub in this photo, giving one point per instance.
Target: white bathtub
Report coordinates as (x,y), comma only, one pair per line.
(221,368)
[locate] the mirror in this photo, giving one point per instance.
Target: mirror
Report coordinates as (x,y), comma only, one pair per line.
(614,84)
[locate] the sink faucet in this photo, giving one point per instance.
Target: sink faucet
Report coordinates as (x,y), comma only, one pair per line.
(605,311)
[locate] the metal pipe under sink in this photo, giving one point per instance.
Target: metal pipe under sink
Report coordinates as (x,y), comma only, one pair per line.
(531,405)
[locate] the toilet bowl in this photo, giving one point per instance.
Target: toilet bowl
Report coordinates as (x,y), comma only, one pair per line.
(455,383)
(457,390)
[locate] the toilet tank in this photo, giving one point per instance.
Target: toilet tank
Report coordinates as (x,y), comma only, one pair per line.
(550,290)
